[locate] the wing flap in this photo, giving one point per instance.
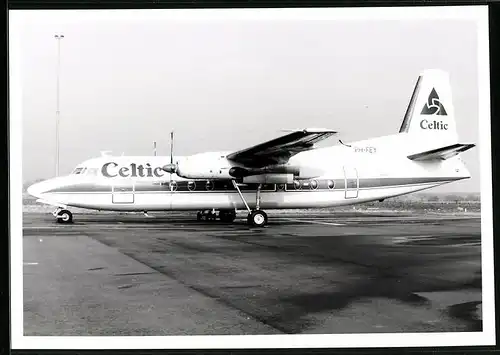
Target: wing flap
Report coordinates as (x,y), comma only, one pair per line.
(279,150)
(441,153)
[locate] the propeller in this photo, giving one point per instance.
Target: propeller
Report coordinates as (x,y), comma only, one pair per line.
(172,147)
(172,167)
(171,157)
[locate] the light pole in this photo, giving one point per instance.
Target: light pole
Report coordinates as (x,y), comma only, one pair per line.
(58,38)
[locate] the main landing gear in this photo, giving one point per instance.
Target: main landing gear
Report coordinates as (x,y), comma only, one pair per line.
(63,216)
(257,217)
(227,216)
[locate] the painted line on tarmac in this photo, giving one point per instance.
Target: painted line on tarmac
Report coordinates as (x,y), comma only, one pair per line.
(171,225)
(98,227)
(471,244)
(313,222)
(40,227)
(411,238)
(30,263)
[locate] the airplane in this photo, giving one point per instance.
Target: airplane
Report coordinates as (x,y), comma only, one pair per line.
(288,172)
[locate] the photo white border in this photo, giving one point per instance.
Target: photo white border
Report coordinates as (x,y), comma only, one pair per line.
(479,14)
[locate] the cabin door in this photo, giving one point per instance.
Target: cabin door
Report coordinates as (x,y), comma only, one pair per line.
(123,194)
(351,181)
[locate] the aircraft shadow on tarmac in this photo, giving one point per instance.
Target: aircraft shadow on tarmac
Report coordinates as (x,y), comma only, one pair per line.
(379,274)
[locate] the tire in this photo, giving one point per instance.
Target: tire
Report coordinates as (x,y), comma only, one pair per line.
(64,216)
(257,218)
(227,216)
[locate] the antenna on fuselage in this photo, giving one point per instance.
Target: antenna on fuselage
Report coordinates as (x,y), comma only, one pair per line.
(154,149)
(347,145)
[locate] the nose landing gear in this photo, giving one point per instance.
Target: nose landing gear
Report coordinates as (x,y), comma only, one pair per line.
(63,216)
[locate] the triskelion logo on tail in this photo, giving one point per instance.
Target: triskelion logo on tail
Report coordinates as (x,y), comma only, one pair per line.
(433,105)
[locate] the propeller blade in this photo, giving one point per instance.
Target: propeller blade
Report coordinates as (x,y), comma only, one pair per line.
(172,147)
(172,167)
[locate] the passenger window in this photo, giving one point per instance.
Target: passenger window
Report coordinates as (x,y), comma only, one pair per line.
(331,184)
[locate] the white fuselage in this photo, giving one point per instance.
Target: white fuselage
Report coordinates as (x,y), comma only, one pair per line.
(365,171)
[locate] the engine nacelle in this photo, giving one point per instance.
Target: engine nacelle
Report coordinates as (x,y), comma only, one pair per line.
(269,179)
(307,172)
(302,172)
(214,165)
(204,166)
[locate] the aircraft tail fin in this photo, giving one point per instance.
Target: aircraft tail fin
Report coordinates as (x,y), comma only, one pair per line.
(431,111)
(442,153)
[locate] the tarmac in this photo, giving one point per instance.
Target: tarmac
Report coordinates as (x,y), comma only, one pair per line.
(321,273)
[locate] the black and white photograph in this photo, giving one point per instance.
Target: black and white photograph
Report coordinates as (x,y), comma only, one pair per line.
(251,178)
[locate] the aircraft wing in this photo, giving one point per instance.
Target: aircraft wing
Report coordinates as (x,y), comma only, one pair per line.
(281,149)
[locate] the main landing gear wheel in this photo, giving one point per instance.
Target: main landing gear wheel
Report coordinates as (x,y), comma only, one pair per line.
(64,216)
(257,218)
(227,216)
(208,216)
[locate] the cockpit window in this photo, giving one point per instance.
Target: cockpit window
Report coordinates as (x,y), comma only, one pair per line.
(92,171)
(82,170)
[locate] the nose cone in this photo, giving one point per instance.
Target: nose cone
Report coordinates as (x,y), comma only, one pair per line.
(34,190)
(38,189)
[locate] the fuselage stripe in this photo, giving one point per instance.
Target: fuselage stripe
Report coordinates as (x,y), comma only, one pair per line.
(364,184)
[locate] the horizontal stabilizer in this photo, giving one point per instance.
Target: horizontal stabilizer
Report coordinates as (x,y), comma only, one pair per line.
(442,153)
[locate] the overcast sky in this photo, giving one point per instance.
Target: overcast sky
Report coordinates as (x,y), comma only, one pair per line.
(225,85)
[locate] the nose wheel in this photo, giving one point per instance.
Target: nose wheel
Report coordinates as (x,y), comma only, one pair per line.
(63,216)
